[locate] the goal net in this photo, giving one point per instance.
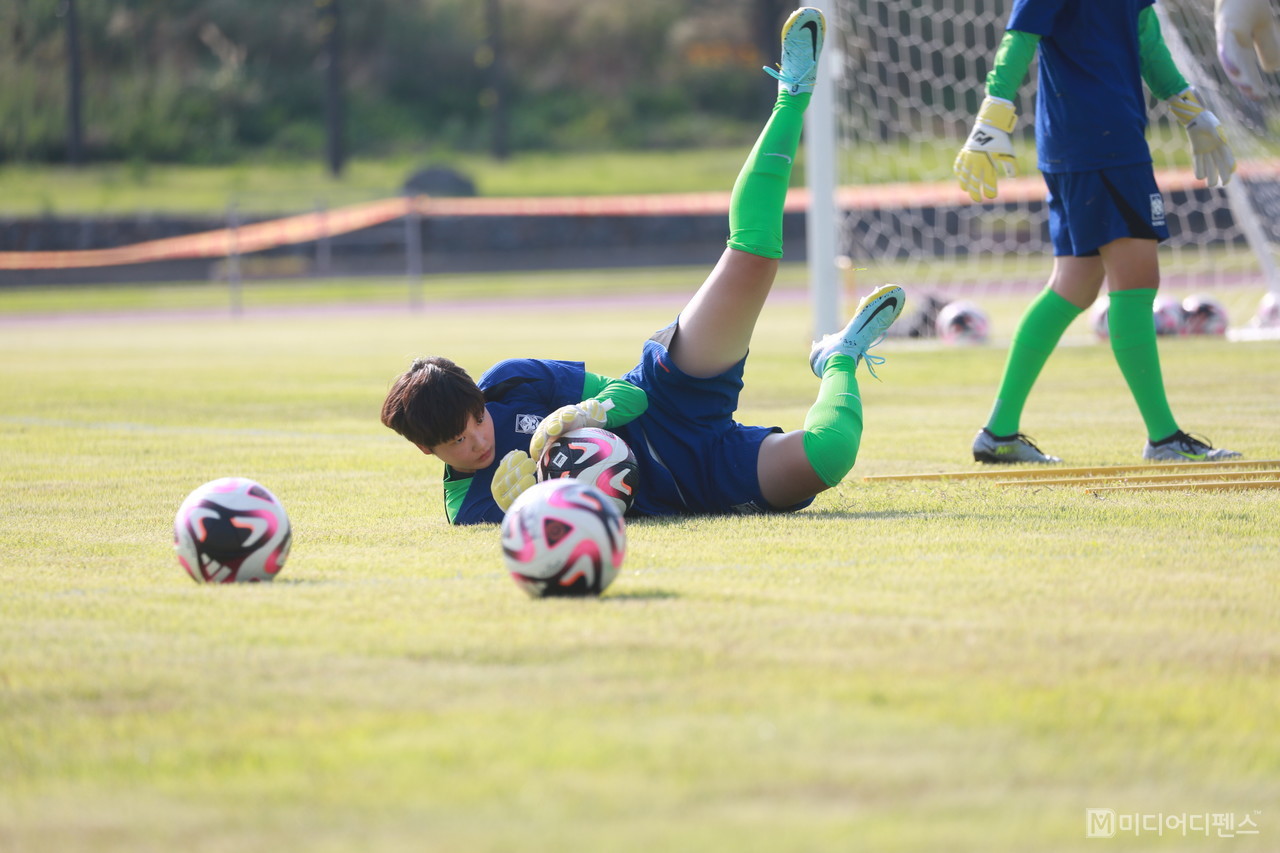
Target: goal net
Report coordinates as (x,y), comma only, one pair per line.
(910,76)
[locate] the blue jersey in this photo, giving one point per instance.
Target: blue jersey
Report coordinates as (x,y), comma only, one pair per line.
(1091,112)
(518,394)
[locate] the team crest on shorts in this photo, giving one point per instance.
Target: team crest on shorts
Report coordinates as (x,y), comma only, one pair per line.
(528,424)
(1157,209)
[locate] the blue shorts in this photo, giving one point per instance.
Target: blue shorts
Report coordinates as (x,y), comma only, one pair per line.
(694,457)
(1087,210)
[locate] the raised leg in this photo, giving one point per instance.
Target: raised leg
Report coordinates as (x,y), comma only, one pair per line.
(714,330)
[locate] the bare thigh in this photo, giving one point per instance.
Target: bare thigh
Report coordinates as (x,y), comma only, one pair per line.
(1125,264)
(1131,264)
(715,328)
(1077,280)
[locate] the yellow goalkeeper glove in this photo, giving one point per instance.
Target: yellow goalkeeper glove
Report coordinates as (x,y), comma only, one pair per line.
(1214,161)
(588,413)
(988,145)
(1248,37)
(515,474)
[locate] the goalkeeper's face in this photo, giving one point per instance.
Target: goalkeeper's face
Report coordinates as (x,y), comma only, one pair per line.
(470,451)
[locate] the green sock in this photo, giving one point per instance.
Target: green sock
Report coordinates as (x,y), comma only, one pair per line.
(1034,340)
(833,427)
(755,208)
(1133,340)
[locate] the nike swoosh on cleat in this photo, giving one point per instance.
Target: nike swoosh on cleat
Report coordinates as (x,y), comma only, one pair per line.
(891,302)
(812,27)
(775,154)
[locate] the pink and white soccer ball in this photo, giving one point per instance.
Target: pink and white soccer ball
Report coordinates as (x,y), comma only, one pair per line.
(1098,317)
(1168,315)
(563,538)
(594,456)
(1268,316)
(232,530)
(962,323)
(1205,316)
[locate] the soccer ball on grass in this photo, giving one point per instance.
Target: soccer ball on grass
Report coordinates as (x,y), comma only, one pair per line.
(1098,317)
(232,530)
(1205,316)
(962,323)
(1168,315)
(563,538)
(1268,316)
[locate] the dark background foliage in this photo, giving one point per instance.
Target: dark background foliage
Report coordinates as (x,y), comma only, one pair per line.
(214,80)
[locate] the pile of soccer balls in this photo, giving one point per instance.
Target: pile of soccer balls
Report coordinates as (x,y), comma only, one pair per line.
(1195,315)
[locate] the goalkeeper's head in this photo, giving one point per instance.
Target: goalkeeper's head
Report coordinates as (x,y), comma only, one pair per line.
(432,402)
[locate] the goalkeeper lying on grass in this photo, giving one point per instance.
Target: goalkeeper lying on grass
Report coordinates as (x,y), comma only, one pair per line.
(1106,214)
(675,408)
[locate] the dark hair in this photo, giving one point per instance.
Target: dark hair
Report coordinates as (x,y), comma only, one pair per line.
(430,402)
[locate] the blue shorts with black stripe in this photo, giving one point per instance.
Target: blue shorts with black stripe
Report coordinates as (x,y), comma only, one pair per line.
(1088,210)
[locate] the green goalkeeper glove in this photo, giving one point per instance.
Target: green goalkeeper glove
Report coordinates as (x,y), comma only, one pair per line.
(988,145)
(1248,37)
(515,474)
(588,413)
(1215,163)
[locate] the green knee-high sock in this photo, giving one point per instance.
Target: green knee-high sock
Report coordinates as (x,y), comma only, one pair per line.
(1034,340)
(1133,340)
(755,209)
(833,427)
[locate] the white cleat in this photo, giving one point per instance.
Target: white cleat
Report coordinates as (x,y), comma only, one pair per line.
(802,37)
(875,314)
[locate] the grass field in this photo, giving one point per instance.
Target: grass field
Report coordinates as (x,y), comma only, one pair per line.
(276,186)
(902,667)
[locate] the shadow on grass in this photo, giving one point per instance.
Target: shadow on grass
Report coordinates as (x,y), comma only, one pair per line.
(640,595)
(805,515)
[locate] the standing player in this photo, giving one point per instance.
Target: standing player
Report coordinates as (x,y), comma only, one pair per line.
(1106,215)
(675,408)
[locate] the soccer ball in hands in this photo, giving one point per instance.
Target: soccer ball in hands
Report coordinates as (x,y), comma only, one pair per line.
(1168,315)
(563,538)
(1205,316)
(962,323)
(594,456)
(232,530)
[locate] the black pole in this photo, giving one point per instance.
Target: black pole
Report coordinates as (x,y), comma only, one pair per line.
(75,148)
(334,118)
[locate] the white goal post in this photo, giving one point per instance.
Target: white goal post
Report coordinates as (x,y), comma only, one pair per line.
(908,78)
